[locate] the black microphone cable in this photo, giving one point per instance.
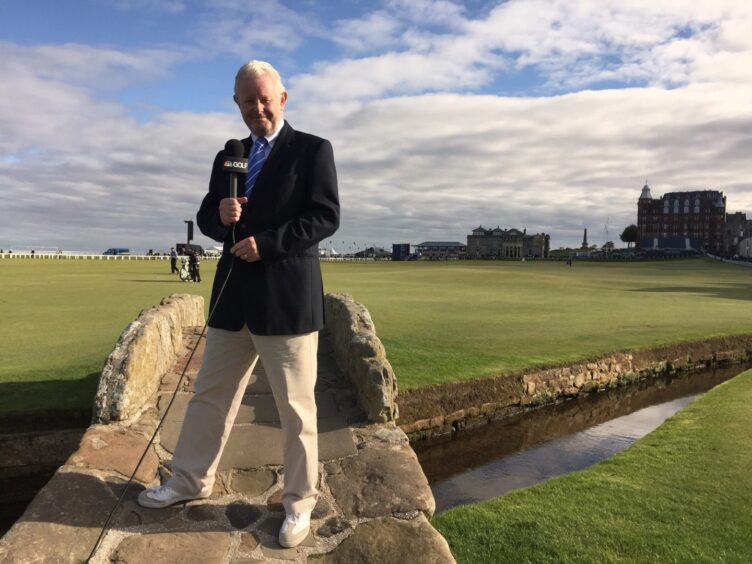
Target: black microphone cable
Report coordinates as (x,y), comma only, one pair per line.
(119,502)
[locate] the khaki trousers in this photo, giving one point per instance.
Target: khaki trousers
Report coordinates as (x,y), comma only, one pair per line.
(229,358)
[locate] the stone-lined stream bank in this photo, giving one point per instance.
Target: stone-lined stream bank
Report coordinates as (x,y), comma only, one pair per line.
(532,447)
(442,410)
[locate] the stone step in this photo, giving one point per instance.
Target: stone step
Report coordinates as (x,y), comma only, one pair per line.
(251,445)
(258,408)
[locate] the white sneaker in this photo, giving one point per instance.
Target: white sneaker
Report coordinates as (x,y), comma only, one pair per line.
(162,496)
(295,529)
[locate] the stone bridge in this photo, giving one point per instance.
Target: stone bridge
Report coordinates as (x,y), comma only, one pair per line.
(375,504)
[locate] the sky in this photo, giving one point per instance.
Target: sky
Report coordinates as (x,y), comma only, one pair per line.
(548,115)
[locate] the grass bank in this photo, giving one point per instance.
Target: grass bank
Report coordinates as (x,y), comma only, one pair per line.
(60,319)
(683,493)
(445,322)
(440,322)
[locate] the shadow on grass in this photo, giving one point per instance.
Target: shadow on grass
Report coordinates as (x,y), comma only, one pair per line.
(727,291)
(47,404)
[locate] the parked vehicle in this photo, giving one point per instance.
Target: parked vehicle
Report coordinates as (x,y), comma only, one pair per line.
(117,251)
(184,249)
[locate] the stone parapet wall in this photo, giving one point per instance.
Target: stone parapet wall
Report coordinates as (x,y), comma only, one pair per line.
(361,355)
(143,353)
(444,409)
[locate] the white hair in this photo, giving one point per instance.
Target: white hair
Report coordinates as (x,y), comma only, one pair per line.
(259,68)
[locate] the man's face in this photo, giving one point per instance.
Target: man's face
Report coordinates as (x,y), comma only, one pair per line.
(261,104)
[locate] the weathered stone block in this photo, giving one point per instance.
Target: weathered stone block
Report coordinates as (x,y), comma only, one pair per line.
(360,353)
(253,482)
(167,548)
(105,448)
(62,522)
(391,540)
(144,352)
(248,542)
(366,345)
(380,481)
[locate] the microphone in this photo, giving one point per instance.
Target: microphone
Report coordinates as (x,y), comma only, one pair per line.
(234,163)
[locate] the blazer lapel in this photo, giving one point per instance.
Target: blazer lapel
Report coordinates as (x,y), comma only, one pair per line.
(277,155)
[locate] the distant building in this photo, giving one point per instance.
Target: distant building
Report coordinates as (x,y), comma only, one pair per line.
(745,248)
(373,253)
(400,251)
(692,218)
(441,250)
(735,230)
(506,243)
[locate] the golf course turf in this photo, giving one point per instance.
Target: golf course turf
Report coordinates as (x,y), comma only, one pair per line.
(440,321)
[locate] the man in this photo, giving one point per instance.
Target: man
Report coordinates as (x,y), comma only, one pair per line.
(272,304)
(194,265)
(174,262)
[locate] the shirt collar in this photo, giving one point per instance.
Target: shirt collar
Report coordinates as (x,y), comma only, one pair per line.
(273,137)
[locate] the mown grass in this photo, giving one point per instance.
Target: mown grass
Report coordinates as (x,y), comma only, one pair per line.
(445,322)
(60,319)
(440,322)
(683,493)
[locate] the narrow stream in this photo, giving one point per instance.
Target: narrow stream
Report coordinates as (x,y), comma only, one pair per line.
(529,448)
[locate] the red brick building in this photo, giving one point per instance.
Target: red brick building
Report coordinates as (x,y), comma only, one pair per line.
(698,215)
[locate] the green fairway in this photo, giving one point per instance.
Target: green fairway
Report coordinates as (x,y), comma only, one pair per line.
(60,320)
(440,321)
(681,494)
(443,322)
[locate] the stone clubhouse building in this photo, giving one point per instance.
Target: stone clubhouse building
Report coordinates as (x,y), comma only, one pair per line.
(501,243)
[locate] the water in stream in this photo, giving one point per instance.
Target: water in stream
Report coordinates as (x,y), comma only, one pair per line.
(532,447)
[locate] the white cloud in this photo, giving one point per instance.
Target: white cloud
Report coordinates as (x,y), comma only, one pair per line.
(92,67)
(573,45)
(435,166)
(429,12)
(419,154)
(375,32)
(267,27)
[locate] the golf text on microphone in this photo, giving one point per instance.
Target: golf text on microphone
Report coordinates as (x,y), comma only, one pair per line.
(235,165)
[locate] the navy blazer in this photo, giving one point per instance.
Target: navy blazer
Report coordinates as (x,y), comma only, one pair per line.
(294,205)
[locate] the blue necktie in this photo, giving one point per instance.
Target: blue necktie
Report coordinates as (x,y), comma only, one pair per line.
(255,164)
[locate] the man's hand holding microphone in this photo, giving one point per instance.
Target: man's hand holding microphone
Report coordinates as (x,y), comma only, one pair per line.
(229,214)
(230,208)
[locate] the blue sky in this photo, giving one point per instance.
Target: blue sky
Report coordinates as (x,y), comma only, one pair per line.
(547,115)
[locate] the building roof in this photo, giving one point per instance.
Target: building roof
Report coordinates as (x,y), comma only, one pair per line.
(646,193)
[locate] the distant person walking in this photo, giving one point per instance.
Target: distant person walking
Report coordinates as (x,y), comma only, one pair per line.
(174,262)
